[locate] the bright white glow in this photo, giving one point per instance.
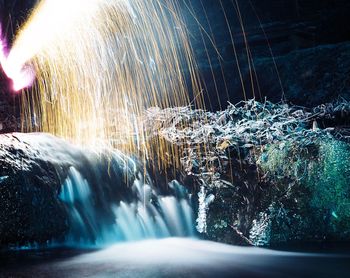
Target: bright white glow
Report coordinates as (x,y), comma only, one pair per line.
(59,17)
(22,75)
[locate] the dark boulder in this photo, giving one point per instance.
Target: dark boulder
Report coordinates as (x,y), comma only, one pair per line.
(29,186)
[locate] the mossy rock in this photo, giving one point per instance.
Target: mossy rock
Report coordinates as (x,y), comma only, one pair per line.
(313,182)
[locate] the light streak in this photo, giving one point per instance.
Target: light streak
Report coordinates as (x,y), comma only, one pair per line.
(22,75)
(90,56)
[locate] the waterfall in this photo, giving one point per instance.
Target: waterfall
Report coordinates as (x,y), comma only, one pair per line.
(147,215)
(82,197)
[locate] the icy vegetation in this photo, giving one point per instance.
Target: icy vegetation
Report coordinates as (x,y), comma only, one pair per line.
(275,170)
(247,125)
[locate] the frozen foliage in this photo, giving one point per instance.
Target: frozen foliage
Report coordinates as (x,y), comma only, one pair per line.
(205,136)
(276,150)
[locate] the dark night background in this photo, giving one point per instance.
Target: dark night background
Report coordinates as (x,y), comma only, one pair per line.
(309,40)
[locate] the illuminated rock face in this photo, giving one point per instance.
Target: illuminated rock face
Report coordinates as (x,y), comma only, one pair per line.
(302,197)
(275,174)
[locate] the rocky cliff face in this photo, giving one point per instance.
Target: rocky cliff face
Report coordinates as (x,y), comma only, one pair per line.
(285,49)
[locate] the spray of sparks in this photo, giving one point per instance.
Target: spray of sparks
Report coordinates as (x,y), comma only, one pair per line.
(99,64)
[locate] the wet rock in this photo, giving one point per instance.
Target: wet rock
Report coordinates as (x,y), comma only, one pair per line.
(29,209)
(313,193)
(297,194)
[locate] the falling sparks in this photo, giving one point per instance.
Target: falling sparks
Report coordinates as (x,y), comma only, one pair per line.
(99,65)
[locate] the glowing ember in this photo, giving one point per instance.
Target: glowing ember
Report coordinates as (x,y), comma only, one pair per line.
(21,78)
(22,75)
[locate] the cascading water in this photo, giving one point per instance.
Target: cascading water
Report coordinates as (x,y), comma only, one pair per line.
(145,215)
(99,198)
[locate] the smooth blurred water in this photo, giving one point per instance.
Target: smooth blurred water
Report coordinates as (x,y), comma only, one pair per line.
(172,257)
(106,196)
(149,215)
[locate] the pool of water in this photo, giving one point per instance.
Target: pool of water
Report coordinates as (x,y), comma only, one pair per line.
(172,257)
